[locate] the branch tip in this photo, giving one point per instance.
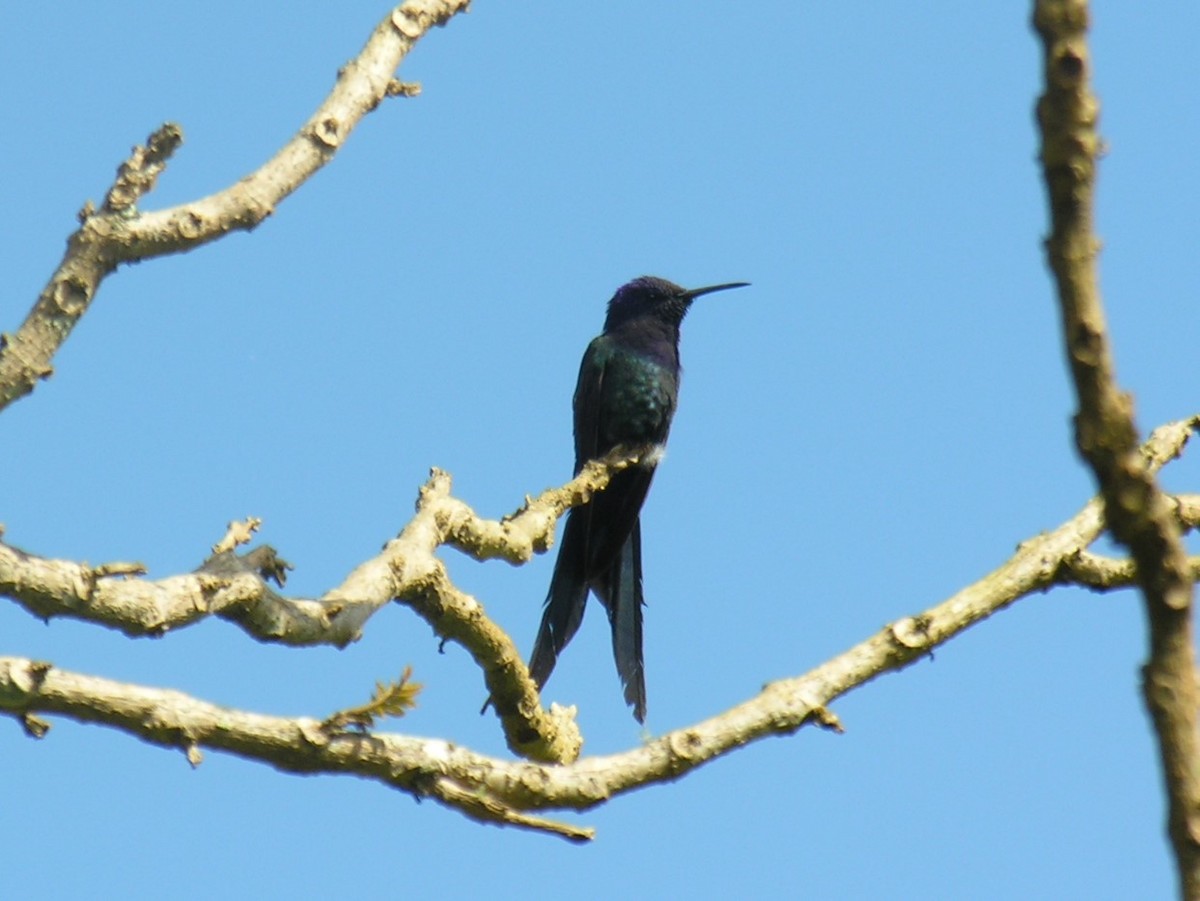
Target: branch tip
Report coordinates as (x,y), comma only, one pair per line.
(398,88)
(34,726)
(137,176)
(237,532)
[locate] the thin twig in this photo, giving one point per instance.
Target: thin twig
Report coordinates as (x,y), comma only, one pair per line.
(118,233)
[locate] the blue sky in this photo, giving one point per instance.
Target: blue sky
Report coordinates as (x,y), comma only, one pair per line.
(877,422)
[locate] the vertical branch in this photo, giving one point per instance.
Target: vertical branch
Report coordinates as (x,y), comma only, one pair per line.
(1136,510)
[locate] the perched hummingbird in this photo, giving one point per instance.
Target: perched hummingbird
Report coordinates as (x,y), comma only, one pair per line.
(626,395)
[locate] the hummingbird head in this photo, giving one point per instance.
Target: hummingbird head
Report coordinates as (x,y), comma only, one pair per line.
(657,298)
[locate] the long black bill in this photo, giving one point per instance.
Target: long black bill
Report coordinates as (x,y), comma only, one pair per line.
(696,292)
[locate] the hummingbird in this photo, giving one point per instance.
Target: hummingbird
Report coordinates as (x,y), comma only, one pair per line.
(626,395)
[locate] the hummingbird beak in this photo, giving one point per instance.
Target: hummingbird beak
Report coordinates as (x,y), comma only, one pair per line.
(696,292)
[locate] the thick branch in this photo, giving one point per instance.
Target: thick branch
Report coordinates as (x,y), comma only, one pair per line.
(421,767)
(1136,509)
(118,233)
(500,791)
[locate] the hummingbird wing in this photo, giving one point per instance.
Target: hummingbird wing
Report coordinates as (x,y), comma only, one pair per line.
(588,402)
(615,404)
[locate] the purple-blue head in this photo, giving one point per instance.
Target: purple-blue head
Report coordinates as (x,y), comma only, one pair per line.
(657,298)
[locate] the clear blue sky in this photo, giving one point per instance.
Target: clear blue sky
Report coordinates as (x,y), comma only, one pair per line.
(876,423)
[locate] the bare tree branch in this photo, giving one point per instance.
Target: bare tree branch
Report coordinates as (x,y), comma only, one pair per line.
(1102,573)
(1137,511)
(118,233)
(424,768)
(407,569)
(492,790)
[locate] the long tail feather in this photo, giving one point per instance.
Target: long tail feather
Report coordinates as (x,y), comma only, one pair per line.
(565,601)
(621,592)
